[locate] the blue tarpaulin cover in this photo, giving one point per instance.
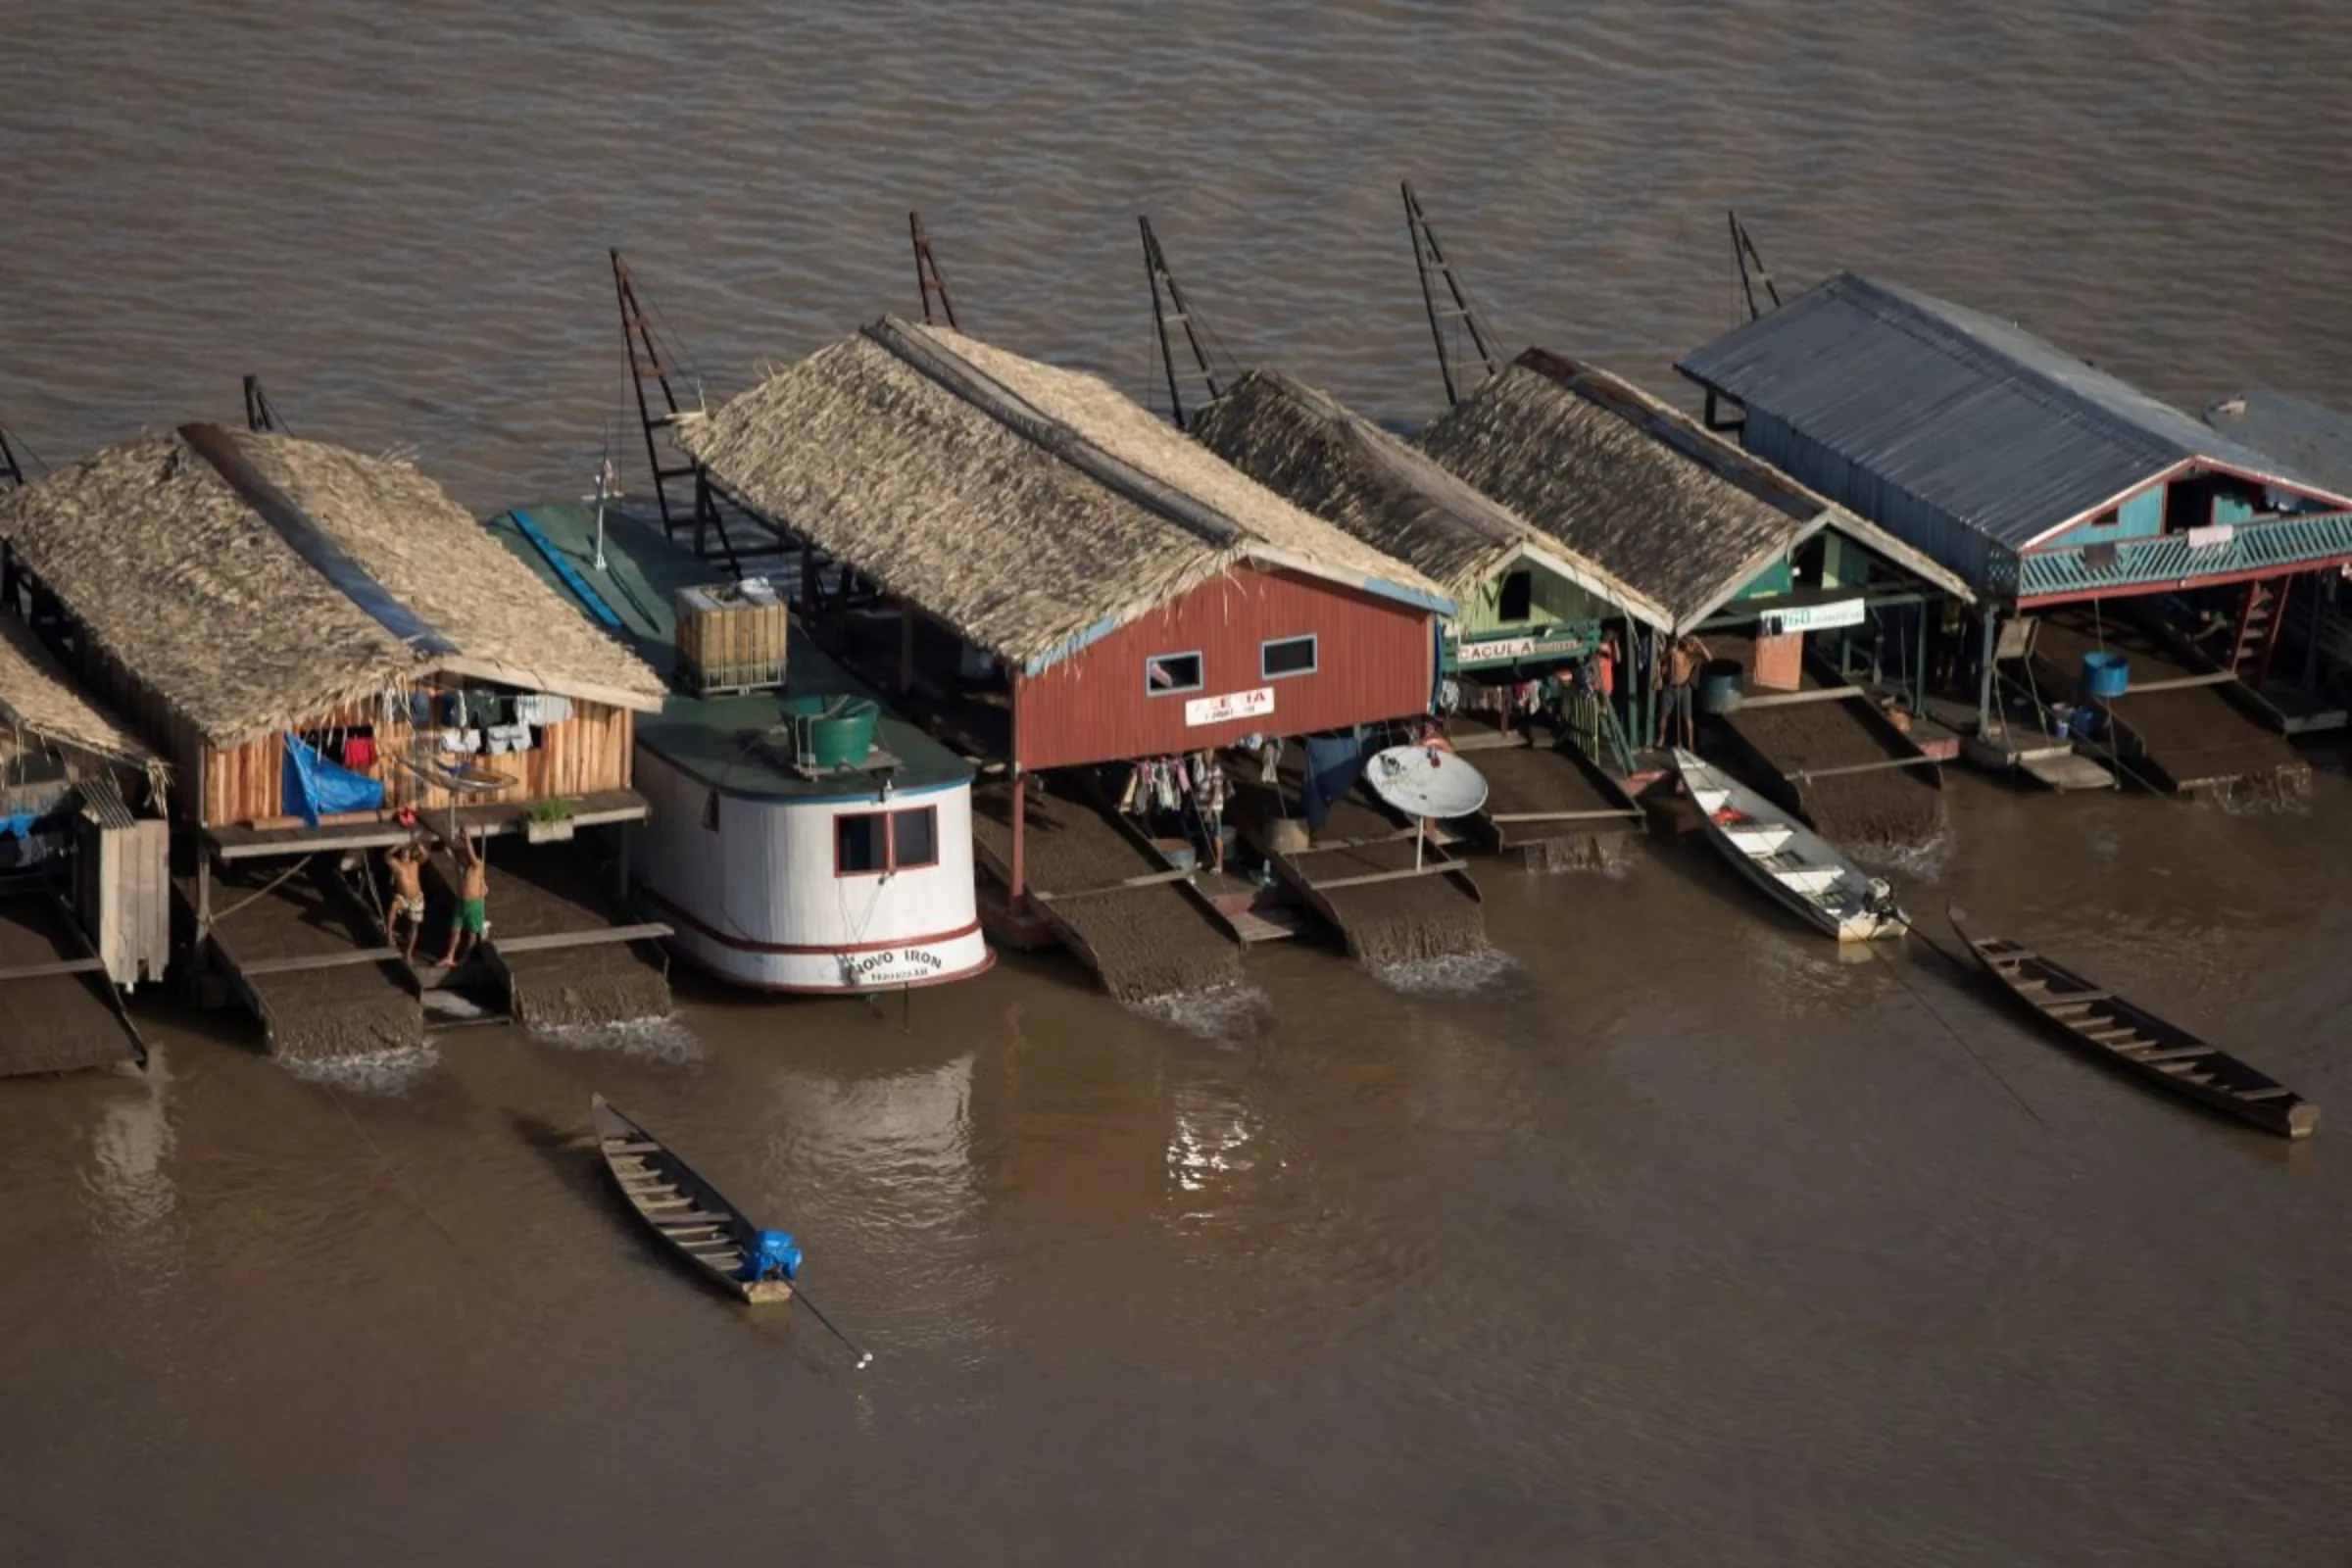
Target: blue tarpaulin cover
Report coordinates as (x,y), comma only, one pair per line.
(1332,764)
(316,787)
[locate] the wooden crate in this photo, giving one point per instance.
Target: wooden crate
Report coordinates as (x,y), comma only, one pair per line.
(729,641)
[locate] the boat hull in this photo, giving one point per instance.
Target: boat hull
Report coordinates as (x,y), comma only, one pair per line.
(710,1234)
(2147,1048)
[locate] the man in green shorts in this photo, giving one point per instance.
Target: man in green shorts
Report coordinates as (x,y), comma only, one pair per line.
(472,923)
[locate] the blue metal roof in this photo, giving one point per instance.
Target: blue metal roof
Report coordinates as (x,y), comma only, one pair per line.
(1973,416)
(2306,436)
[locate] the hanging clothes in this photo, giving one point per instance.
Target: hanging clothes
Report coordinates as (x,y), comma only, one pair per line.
(1332,764)
(359,752)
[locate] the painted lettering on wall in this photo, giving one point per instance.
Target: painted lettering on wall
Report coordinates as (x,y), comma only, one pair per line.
(890,965)
(1233,705)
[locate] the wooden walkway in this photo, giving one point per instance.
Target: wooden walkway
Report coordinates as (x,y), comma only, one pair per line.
(299,955)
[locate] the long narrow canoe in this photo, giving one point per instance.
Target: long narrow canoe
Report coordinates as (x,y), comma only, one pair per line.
(1788,859)
(2115,1031)
(683,1209)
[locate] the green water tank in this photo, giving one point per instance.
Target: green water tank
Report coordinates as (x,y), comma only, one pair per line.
(832,731)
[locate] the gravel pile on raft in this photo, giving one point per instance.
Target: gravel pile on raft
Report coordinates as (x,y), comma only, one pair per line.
(1403,921)
(608,983)
(1528,779)
(1887,807)
(1144,943)
(348,1010)
(2200,741)
(551,889)
(57,1023)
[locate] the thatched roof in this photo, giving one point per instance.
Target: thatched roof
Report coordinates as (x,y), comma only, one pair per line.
(1338,465)
(38,699)
(1031,510)
(180,573)
(1652,494)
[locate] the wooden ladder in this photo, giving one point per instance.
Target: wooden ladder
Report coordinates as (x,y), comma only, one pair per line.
(2259,623)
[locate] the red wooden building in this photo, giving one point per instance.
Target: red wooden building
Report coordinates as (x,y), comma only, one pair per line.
(1140,597)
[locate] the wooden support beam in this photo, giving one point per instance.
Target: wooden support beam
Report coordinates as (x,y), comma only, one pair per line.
(551,941)
(1430,869)
(304,962)
(1150,879)
(1807,775)
(1612,813)
(56,966)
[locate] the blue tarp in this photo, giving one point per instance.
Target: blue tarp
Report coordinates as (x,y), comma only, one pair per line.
(1333,765)
(316,787)
(17,826)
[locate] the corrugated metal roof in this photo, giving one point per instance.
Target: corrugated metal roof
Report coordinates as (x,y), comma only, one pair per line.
(1977,418)
(2308,436)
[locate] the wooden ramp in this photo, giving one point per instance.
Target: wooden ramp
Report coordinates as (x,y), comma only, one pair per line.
(58,1012)
(1554,809)
(1828,754)
(567,957)
(297,953)
(1112,900)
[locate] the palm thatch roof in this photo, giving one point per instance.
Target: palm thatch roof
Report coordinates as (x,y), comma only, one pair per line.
(1303,444)
(254,580)
(1652,494)
(1029,509)
(37,700)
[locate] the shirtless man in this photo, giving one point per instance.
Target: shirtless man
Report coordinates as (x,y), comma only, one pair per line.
(1683,661)
(473,901)
(405,862)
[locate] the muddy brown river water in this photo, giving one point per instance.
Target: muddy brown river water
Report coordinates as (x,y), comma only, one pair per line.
(1677,1238)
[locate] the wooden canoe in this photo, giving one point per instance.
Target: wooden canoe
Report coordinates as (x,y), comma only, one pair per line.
(2115,1031)
(1788,859)
(684,1209)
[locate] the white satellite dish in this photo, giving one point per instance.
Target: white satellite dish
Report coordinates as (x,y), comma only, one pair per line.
(1426,782)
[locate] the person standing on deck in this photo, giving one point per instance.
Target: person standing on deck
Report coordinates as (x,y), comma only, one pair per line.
(1679,674)
(472,922)
(406,864)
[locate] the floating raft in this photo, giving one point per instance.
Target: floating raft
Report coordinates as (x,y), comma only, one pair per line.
(1553,808)
(1827,753)
(1110,899)
(2180,726)
(555,943)
(57,1013)
(295,950)
(1359,873)
(2136,1040)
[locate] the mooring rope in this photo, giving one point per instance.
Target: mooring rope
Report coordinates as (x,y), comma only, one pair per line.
(1957,1037)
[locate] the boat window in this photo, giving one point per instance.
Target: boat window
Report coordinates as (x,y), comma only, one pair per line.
(1287,656)
(1171,673)
(861,844)
(711,812)
(1517,600)
(915,838)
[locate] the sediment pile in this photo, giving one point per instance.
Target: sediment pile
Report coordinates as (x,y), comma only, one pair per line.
(57,1023)
(550,889)
(347,1010)
(1405,921)
(1525,780)
(609,983)
(1144,943)
(2196,740)
(1888,807)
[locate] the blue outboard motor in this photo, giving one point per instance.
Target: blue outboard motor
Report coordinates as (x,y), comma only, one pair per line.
(779,1256)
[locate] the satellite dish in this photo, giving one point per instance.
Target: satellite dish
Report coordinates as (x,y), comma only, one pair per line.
(1425,781)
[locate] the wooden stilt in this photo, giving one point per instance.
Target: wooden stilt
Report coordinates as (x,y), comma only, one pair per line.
(1985,679)
(1021,815)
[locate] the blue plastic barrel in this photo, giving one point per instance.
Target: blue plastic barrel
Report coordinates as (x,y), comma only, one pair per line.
(1720,687)
(2105,675)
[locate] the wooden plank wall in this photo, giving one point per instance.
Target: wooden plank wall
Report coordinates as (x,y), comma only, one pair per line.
(587,753)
